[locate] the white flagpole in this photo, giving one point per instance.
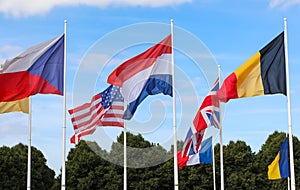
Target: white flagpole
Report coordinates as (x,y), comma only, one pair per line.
(29,146)
(125,158)
(221,137)
(292,171)
(214,167)
(176,187)
(63,163)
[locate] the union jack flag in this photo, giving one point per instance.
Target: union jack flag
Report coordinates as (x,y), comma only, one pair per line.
(207,115)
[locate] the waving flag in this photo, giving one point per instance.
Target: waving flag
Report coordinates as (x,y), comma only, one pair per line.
(209,111)
(15,106)
(279,168)
(148,73)
(203,156)
(207,115)
(264,73)
(37,70)
(105,109)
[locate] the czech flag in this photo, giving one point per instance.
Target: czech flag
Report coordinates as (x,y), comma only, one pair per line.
(37,70)
(148,73)
(264,73)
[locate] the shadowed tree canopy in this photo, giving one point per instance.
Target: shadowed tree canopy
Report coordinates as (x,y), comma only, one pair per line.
(88,167)
(13,168)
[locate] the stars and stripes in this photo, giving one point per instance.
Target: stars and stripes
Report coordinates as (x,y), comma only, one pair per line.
(105,109)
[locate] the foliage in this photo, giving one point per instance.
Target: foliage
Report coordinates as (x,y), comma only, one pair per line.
(90,167)
(13,168)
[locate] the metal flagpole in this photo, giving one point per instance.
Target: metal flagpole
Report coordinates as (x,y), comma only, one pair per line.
(174,111)
(214,167)
(125,157)
(292,171)
(63,164)
(29,147)
(221,138)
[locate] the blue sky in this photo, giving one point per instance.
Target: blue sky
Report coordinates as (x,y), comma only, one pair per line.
(232,31)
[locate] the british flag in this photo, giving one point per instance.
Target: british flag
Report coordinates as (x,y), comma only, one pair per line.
(207,115)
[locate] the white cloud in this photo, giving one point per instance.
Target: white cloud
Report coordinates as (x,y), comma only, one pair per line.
(284,4)
(21,8)
(8,51)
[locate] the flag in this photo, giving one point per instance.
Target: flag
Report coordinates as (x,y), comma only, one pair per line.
(15,106)
(207,115)
(148,73)
(105,109)
(279,168)
(203,156)
(264,73)
(37,70)
(209,111)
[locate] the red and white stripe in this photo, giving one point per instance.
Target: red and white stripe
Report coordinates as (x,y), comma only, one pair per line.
(87,117)
(134,73)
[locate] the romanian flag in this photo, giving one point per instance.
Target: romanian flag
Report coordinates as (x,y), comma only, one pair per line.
(279,168)
(15,106)
(264,73)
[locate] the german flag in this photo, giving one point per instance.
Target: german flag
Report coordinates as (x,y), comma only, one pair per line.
(264,73)
(15,106)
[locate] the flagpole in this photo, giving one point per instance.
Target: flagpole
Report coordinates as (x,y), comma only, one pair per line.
(125,158)
(214,167)
(29,147)
(174,111)
(288,179)
(221,138)
(63,166)
(293,183)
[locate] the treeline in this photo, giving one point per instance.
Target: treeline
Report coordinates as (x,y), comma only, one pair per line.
(90,167)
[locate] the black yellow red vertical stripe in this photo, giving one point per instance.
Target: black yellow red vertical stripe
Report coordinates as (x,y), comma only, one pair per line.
(264,73)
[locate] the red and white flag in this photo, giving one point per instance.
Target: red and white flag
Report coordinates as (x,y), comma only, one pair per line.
(207,115)
(105,109)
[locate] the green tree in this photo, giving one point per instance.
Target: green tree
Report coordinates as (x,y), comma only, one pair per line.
(243,169)
(13,168)
(239,166)
(85,169)
(267,154)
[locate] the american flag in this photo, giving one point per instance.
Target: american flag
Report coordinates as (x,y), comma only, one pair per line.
(105,109)
(207,115)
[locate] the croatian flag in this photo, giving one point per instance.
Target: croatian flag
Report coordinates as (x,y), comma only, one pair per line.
(148,73)
(37,70)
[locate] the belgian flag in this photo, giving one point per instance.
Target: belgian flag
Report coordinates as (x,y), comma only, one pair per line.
(264,73)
